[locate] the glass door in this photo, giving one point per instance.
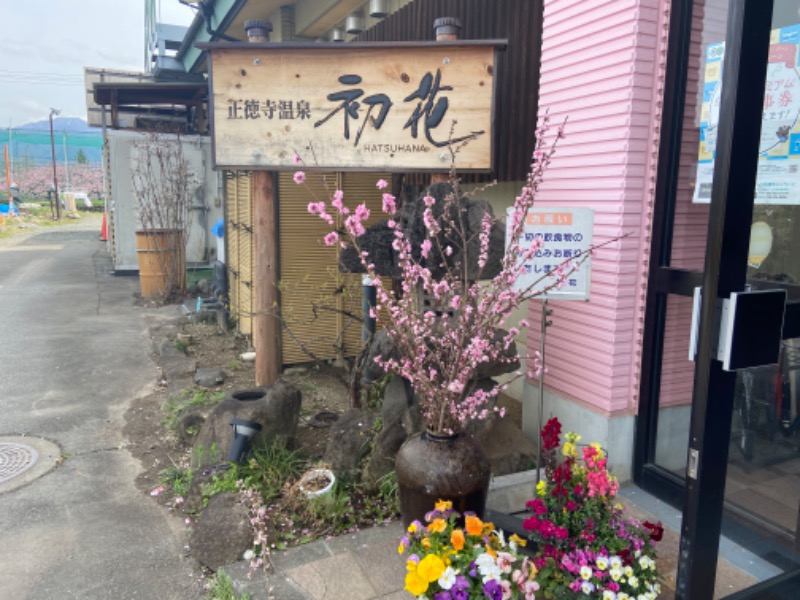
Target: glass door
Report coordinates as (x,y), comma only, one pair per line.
(724,445)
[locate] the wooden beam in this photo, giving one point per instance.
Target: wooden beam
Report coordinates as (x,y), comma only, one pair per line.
(265,323)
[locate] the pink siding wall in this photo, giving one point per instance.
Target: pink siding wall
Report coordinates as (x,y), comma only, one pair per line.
(602,67)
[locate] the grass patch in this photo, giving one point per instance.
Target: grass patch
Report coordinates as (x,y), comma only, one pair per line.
(185,400)
(178,479)
(223,588)
(268,469)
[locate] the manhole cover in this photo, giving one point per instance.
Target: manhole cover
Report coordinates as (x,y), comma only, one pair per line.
(15,459)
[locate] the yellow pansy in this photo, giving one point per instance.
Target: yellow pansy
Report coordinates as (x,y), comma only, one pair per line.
(430,568)
(541,488)
(437,526)
(443,505)
(415,584)
(412,528)
(518,540)
(426,543)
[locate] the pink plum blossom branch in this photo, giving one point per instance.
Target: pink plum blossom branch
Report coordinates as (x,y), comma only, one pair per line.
(440,348)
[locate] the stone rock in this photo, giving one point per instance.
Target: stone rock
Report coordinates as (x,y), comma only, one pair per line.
(400,404)
(509,449)
(378,238)
(397,399)
(508,362)
(189,425)
(222,533)
(381,346)
(276,407)
(348,442)
(385,448)
(377,241)
(479,428)
(473,211)
(209,377)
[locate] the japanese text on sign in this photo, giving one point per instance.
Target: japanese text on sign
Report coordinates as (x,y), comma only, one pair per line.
(393,108)
(564,238)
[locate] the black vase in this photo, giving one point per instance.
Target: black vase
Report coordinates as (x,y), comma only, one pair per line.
(433,467)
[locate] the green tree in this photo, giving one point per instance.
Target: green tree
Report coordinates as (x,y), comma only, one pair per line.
(80,157)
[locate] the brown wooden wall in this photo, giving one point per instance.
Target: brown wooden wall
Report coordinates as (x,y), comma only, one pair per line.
(517,85)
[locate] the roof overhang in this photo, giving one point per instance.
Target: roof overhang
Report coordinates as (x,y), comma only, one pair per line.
(151,97)
(135,94)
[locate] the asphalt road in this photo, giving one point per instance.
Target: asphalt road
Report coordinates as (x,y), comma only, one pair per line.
(74,352)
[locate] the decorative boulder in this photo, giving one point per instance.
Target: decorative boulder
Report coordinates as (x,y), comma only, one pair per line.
(381,463)
(275,407)
(222,533)
(209,377)
(472,213)
(349,442)
(378,238)
(381,346)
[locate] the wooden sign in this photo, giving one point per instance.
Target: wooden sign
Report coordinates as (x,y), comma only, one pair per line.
(352,106)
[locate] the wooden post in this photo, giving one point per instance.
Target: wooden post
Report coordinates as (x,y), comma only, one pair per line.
(265,284)
(447,28)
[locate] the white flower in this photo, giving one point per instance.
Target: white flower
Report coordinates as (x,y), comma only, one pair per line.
(601,562)
(615,562)
(447,579)
(629,571)
(586,573)
(609,595)
(623,596)
(615,574)
(249,555)
(633,581)
(587,587)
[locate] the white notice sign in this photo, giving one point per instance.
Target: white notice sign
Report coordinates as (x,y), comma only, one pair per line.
(566,236)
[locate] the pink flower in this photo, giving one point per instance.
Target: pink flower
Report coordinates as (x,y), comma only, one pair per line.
(299,177)
(157,491)
(429,201)
(381,185)
(296,159)
(316,208)
(425,248)
(331,238)
(389,206)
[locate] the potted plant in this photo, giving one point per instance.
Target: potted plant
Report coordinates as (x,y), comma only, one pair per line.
(447,319)
(450,561)
(587,547)
(162,184)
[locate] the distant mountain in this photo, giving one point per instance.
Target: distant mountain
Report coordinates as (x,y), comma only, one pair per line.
(68,124)
(30,144)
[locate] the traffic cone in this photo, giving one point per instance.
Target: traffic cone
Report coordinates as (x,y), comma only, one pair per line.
(104,229)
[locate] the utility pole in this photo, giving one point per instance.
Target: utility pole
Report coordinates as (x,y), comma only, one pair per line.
(55,111)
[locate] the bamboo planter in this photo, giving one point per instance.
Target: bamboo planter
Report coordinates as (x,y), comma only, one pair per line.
(162,262)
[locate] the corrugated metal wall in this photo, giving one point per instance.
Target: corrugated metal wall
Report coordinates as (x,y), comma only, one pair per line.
(517,74)
(314,294)
(239,257)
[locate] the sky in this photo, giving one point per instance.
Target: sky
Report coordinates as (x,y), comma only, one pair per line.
(45,44)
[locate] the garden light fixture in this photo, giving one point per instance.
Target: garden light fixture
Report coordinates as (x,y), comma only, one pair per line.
(243,432)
